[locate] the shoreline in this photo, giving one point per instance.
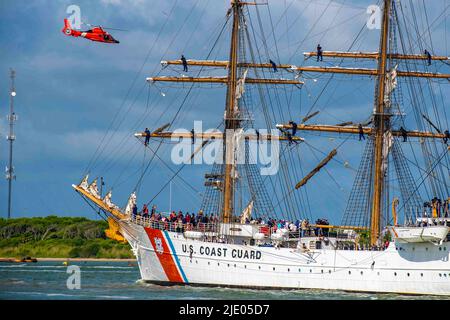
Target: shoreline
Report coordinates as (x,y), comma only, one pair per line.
(75,259)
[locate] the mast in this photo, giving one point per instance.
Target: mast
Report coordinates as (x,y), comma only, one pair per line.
(11,137)
(231,123)
(231,118)
(380,125)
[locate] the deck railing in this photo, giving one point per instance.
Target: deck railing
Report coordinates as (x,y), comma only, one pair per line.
(291,234)
(178,226)
(175,226)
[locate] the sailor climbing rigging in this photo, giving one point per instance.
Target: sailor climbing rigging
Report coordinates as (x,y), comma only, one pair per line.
(361,132)
(147,136)
(446,136)
(183,60)
(294,127)
(428,56)
(319,53)
(404,134)
(274,66)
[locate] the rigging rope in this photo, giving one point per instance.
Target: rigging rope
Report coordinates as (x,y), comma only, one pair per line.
(182,103)
(98,151)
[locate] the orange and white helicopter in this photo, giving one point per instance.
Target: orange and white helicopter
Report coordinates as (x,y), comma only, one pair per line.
(95,34)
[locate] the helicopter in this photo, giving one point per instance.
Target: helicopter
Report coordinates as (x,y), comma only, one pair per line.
(94,34)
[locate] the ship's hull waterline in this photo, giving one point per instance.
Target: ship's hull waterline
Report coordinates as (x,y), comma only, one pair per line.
(166,257)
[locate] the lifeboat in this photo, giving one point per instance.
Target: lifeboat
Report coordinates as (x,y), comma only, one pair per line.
(277,237)
(193,234)
(210,234)
(259,236)
(419,234)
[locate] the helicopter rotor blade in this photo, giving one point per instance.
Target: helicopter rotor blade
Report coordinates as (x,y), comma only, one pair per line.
(116,29)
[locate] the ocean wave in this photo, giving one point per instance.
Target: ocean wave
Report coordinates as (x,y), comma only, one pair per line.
(107,267)
(114,297)
(36,293)
(38,270)
(13,265)
(109,271)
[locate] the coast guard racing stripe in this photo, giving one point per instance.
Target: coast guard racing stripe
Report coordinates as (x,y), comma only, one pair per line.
(163,247)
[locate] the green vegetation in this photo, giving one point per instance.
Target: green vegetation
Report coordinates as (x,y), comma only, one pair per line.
(58,237)
(364,238)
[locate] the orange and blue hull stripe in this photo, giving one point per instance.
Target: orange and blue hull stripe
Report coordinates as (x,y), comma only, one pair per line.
(167,256)
(176,257)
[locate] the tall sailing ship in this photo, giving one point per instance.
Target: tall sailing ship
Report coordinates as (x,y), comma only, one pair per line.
(386,242)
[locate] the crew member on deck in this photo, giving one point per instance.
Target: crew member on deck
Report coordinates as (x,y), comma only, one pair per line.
(183,60)
(319,53)
(145,211)
(361,132)
(446,207)
(274,65)
(428,57)
(404,134)
(193,136)
(147,136)
(135,210)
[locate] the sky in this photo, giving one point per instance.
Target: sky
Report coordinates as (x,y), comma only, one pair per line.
(79,102)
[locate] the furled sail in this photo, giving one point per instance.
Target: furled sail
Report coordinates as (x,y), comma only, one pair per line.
(107,200)
(240,90)
(387,145)
(247,213)
(84,183)
(238,156)
(391,84)
(130,204)
(93,189)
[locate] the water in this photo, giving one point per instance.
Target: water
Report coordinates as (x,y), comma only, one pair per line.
(119,280)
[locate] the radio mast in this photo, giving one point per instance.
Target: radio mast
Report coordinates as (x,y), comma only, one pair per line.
(11,137)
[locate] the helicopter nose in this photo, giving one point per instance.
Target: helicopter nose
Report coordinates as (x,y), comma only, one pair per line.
(117,41)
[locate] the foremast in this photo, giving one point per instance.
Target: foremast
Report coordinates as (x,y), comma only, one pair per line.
(231,121)
(381,122)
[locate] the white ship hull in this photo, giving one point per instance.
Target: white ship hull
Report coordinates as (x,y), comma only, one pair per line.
(165,257)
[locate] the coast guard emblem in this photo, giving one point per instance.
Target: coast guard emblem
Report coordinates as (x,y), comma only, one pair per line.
(159,246)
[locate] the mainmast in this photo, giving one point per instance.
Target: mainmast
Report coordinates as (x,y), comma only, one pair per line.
(231,121)
(380,122)
(232,114)
(11,137)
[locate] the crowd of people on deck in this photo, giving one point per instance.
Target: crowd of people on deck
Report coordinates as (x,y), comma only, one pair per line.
(299,228)
(189,221)
(434,210)
(179,221)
